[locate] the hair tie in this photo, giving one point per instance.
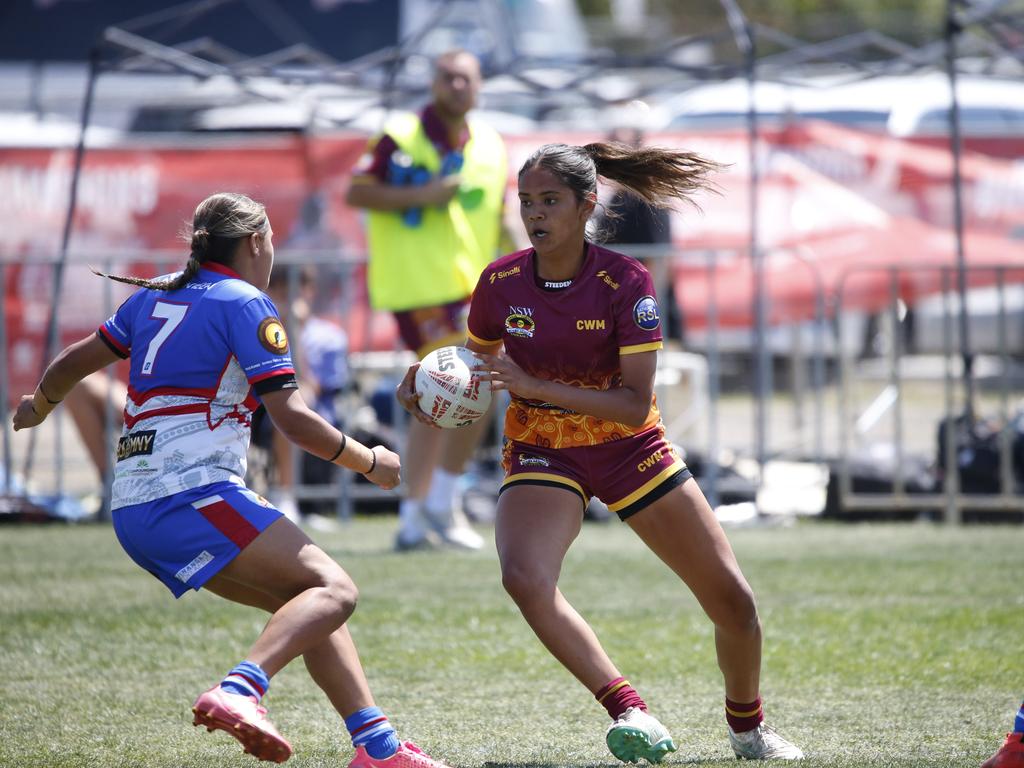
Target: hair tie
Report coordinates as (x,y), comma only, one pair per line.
(340,450)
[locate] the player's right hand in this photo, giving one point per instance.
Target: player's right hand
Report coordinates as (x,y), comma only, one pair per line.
(25,416)
(387,471)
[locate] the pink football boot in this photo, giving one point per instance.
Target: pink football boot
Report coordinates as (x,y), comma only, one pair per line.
(407,756)
(1010,755)
(243,718)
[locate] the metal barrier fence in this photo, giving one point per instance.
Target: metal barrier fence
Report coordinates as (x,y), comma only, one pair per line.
(701,413)
(956,414)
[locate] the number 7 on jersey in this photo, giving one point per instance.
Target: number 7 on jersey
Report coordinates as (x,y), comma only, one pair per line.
(172,315)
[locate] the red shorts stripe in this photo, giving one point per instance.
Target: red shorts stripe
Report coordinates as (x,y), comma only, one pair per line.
(229,522)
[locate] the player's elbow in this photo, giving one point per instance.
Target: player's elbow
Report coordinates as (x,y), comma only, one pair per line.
(637,411)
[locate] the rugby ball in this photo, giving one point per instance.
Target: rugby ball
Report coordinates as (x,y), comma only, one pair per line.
(450,394)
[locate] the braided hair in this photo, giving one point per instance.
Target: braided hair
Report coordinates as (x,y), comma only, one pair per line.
(219,222)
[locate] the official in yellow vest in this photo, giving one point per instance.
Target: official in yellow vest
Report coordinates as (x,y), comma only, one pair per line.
(433,185)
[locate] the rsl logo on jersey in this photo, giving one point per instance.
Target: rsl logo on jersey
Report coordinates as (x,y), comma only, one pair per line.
(520,322)
(272,336)
(645,313)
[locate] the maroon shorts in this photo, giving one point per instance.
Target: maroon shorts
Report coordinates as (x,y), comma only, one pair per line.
(425,329)
(627,474)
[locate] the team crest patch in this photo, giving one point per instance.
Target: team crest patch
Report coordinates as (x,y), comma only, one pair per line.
(645,313)
(272,336)
(520,325)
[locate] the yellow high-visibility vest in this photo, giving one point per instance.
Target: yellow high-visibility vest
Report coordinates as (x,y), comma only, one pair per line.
(440,259)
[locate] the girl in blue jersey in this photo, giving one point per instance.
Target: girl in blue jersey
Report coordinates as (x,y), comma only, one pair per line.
(578,329)
(206,346)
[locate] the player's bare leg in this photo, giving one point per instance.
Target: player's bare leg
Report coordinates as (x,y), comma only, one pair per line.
(534,527)
(682,530)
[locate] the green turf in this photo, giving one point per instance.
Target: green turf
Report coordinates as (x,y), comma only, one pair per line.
(884,646)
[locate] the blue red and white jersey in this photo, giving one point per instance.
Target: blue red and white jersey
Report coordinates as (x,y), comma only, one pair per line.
(200,356)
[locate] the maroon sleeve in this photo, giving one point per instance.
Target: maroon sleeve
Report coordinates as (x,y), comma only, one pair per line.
(374,161)
(483,323)
(637,315)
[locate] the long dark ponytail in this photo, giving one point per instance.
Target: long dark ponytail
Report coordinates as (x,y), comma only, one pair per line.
(657,175)
(219,222)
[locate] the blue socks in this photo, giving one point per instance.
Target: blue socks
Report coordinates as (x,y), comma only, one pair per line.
(370,729)
(1018,723)
(247,679)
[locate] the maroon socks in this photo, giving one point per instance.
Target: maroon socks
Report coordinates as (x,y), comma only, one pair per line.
(743,717)
(618,696)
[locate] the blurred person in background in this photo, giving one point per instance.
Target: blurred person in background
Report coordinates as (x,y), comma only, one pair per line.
(322,371)
(433,185)
(206,346)
(96,405)
(572,331)
(628,220)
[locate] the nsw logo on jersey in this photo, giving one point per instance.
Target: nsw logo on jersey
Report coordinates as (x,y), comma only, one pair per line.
(520,322)
(272,336)
(645,313)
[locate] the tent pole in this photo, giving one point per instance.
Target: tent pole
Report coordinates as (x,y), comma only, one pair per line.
(954,28)
(52,328)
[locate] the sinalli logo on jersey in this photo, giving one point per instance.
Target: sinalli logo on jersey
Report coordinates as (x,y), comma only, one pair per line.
(645,313)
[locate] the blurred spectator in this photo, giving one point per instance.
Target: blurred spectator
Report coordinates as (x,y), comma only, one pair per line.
(321,361)
(96,405)
(433,185)
(628,220)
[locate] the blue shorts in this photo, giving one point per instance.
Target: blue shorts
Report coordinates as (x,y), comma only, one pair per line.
(187,538)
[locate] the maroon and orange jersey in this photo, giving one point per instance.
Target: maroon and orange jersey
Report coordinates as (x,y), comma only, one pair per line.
(574,336)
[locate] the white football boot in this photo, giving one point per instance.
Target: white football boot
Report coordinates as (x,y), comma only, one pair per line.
(636,735)
(763,743)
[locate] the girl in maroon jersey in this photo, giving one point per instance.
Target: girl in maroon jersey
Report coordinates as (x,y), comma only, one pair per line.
(580,328)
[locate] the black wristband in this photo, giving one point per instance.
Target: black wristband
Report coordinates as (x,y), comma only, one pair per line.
(373,462)
(341,448)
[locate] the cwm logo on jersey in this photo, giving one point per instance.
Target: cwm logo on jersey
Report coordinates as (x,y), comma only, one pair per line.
(645,313)
(272,336)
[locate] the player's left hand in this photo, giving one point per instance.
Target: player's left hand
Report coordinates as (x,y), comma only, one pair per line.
(503,373)
(409,398)
(26,415)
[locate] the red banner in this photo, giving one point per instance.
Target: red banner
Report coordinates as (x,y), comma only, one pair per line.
(830,201)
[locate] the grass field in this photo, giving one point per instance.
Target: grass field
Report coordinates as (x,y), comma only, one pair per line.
(885,646)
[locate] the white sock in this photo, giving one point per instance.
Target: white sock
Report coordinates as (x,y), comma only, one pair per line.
(409,515)
(442,491)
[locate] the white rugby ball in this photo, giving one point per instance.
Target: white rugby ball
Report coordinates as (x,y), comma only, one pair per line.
(450,394)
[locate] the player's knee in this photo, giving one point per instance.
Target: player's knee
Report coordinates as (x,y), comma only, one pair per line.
(525,583)
(343,595)
(735,612)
